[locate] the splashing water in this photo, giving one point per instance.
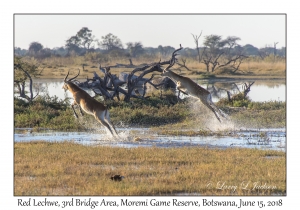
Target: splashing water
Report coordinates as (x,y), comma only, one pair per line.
(124,135)
(145,137)
(215,125)
(208,120)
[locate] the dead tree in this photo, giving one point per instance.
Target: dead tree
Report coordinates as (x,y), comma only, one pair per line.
(147,69)
(183,64)
(245,90)
(111,85)
(196,40)
(234,62)
(233,90)
(275,43)
(21,84)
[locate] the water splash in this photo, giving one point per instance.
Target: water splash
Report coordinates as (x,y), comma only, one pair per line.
(207,119)
(124,135)
(147,138)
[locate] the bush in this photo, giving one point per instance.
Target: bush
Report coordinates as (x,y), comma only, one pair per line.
(44,112)
(52,113)
(241,103)
(237,100)
(270,105)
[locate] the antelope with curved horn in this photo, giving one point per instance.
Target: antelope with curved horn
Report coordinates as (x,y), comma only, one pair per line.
(88,104)
(188,86)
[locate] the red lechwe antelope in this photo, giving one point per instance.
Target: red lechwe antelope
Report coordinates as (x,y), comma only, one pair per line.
(189,87)
(88,104)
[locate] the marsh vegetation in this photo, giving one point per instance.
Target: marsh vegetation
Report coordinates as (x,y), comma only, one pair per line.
(68,168)
(54,113)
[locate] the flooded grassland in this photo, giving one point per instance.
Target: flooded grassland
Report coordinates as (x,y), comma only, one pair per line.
(163,149)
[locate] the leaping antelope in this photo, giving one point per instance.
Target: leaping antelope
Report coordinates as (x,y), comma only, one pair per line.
(188,86)
(88,104)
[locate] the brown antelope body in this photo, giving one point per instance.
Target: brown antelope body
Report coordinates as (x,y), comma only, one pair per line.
(88,104)
(188,86)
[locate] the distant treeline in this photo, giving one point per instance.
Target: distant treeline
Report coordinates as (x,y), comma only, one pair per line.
(84,42)
(248,49)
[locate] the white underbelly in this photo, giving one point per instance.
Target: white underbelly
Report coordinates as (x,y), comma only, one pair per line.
(87,110)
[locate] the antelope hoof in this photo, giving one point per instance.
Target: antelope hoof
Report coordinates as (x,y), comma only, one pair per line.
(76,115)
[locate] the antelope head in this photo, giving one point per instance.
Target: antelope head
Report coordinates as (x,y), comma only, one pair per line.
(69,81)
(166,71)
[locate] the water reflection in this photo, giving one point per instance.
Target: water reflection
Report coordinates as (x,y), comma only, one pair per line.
(261,90)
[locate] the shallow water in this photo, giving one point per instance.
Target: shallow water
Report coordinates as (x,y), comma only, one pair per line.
(261,90)
(273,139)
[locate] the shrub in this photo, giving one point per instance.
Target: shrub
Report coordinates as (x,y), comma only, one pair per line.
(44,112)
(241,103)
(237,100)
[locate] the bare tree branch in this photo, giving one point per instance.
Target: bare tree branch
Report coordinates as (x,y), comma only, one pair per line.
(196,40)
(21,87)
(135,79)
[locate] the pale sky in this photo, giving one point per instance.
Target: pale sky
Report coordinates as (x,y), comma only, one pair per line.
(151,30)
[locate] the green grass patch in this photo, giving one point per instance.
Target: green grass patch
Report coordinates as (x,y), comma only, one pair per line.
(155,111)
(44,112)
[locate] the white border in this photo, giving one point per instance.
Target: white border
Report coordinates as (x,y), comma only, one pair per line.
(7,201)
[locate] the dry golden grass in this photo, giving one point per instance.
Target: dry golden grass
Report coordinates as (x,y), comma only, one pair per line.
(248,68)
(42,168)
(57,67)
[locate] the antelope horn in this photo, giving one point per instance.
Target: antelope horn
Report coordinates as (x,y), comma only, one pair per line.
(67,76)
(73,77)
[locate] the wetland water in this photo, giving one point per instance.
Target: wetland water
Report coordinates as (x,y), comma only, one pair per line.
(273,139)
(261,90)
